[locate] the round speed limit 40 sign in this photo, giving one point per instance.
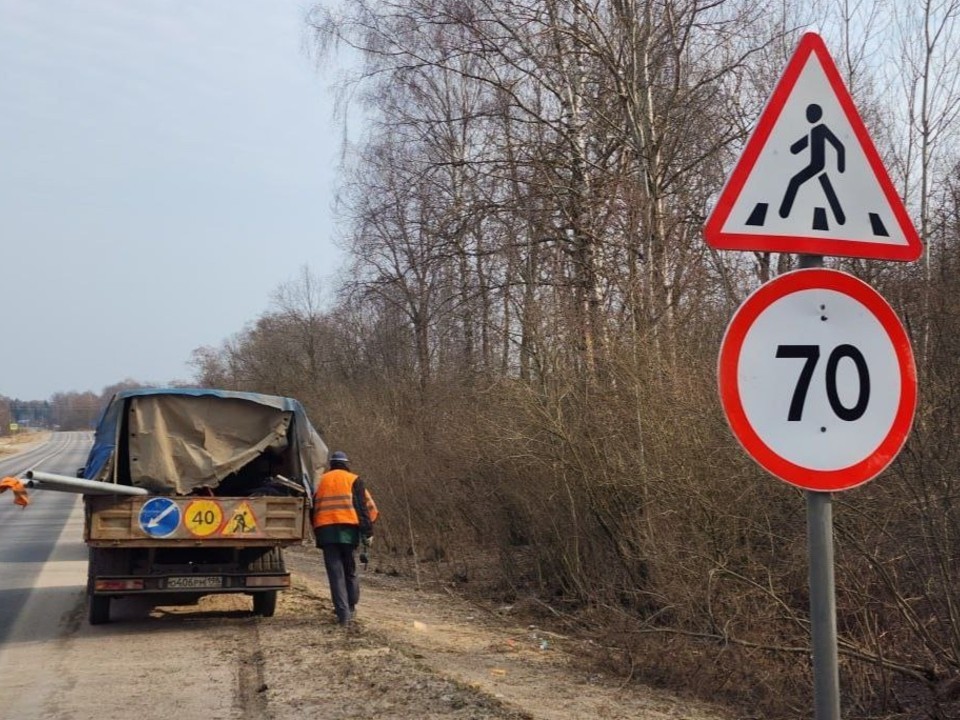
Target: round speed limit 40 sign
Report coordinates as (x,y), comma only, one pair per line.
(817,379)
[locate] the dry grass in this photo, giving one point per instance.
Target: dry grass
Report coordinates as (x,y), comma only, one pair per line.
(12,444)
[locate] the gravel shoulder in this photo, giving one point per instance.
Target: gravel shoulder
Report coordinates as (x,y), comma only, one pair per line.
(423,654)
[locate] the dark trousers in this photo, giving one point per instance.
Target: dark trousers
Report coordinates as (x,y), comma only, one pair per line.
(342,574)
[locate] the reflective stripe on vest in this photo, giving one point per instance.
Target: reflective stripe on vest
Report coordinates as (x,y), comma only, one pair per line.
(333,503)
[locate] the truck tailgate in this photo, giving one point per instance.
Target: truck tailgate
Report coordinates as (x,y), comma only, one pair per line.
(229,521)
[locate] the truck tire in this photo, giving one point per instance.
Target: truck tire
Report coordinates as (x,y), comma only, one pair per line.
(265,603)
(103,561)
(99,610)
(266,560)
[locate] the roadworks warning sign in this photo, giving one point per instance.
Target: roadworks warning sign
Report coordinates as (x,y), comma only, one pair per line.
(242,521)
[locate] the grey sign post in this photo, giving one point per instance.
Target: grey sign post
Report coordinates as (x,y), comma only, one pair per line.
(823,604)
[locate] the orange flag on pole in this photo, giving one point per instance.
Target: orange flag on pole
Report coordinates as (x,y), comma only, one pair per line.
(19,492)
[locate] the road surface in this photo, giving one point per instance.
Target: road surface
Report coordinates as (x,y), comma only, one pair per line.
(39,568)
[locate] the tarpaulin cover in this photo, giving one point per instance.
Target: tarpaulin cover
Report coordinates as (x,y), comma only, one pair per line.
(180,439)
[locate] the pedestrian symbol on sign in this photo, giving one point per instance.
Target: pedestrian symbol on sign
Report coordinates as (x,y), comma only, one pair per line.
(816,141)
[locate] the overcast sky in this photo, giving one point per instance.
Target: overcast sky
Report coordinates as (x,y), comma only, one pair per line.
(165,165)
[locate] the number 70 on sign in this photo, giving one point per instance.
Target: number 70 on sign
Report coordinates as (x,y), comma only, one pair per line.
(817,379)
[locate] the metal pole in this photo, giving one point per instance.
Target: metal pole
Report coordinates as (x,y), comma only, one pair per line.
(823,605)
(65,483)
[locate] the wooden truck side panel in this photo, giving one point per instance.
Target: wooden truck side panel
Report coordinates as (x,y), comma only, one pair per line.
(151,521)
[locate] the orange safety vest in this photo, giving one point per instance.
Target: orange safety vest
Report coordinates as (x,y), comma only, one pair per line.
(333,501)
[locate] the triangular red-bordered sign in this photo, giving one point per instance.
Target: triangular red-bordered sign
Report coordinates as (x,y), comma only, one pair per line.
(810,179)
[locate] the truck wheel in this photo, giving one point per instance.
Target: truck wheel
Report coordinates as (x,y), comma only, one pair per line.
(99,609)
(265,603)
(266,560)
(103,561)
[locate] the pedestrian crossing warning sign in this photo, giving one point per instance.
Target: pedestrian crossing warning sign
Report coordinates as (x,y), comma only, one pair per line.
(241,521)
(810,179)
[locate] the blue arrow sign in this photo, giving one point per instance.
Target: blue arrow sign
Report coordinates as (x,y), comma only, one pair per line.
(159,517)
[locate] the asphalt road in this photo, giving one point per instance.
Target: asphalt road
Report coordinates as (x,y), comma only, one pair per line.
(42,554)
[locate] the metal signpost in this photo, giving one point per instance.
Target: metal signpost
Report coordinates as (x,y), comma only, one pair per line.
(823,592)
(816,373)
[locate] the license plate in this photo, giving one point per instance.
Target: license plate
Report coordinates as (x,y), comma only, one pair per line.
(195,581)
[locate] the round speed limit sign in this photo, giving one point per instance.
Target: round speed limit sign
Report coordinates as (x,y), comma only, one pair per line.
(817,379)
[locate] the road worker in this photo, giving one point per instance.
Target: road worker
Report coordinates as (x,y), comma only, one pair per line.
(341,521)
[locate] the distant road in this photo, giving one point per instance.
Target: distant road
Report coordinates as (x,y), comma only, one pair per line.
(38,576)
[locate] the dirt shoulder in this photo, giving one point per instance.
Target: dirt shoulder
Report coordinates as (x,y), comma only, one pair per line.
(430,654)
(13,444)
